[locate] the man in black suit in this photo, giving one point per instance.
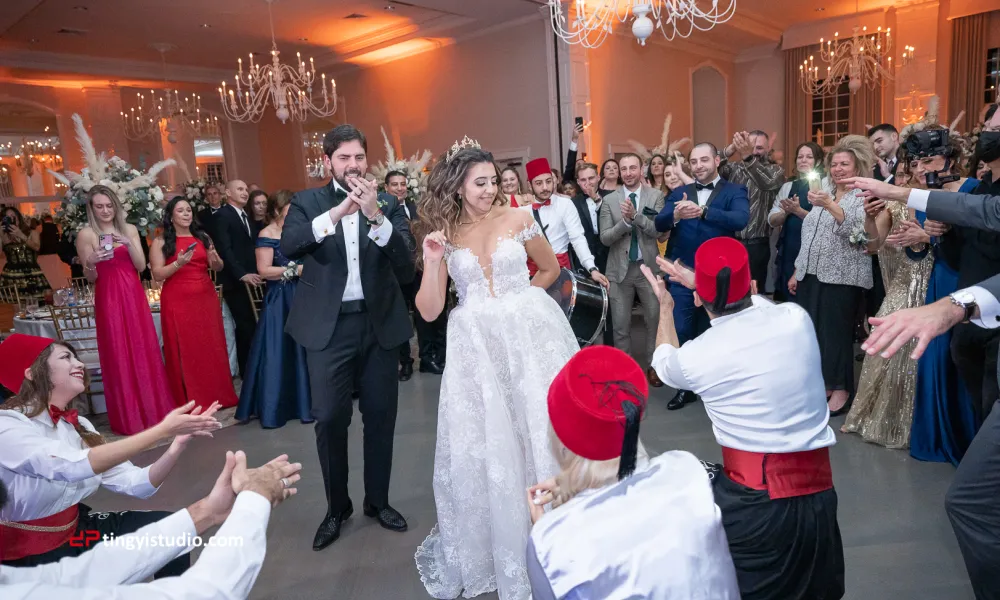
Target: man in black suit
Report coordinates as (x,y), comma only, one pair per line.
(588,205)
(431,337)
(885,142)
(213,196)
(350,315)
(235,237)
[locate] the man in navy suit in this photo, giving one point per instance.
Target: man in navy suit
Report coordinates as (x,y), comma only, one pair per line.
(706,208)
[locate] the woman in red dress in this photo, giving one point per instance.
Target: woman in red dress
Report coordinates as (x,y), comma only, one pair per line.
(194,342)
(135,383)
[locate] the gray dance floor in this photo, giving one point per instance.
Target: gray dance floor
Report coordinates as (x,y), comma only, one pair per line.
(898,542)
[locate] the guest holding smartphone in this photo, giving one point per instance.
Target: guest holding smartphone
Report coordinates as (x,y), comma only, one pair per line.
(194,342)
(135,382)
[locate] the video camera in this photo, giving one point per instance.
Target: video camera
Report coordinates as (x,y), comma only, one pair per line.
(928,143)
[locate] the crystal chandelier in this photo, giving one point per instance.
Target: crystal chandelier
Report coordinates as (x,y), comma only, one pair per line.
(864,59)
(44,152)
(590,22)
(142,121)
(289,90)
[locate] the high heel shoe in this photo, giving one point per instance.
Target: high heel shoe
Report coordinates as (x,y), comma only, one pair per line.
(843,410)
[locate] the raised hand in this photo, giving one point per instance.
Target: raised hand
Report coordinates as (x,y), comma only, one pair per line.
(677,272)
(923,324)
(183,420)
(659,287)
(434,245)
(789,205)
(873,188)
(628,211)
(273,481)
(908,233)
(180,442)
(364,193)
(820,199)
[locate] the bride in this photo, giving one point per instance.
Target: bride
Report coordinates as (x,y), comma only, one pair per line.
(507,340)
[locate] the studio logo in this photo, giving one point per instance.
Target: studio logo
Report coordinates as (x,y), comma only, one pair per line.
(84,538)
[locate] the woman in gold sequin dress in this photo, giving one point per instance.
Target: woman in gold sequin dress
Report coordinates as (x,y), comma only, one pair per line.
(20,246)
(883,408)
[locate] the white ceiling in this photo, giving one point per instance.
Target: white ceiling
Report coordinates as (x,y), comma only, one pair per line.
(116,35)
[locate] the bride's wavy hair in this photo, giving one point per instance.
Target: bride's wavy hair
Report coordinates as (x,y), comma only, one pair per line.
(441,205)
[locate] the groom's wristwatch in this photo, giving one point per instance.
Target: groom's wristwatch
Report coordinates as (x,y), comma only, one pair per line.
(966,300)
(377,220)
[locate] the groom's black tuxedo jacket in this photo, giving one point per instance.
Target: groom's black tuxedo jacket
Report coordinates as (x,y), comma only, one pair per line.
(316,306)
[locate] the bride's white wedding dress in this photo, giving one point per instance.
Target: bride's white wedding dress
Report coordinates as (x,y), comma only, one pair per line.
(505,346)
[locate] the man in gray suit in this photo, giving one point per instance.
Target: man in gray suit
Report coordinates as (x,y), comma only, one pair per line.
(627,229)
(972,500)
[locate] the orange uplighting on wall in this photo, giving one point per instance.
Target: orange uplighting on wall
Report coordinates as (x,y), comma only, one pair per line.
(400,50)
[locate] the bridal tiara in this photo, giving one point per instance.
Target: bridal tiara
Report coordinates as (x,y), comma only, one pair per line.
(459,146)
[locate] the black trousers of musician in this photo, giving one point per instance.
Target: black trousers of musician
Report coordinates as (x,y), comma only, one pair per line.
(974,352)
(786,549)
(354,358)
(972,507)
(431,337)
(239,305)
(106,523)
(759,252)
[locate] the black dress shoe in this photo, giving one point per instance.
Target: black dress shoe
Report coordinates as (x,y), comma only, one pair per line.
(329,529)
(405,372)
(386,516)
(682,398)
(430,366)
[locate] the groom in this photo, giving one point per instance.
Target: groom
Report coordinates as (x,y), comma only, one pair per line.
(350,316)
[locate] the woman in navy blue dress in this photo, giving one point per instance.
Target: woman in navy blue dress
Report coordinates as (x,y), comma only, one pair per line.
(943,420)
(276,388)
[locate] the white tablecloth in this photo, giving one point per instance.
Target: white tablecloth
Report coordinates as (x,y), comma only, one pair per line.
(44,327)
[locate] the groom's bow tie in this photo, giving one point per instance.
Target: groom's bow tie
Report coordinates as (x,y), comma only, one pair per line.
(707,186)
(339,194)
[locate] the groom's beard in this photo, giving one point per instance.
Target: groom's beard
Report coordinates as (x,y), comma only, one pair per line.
(342,179)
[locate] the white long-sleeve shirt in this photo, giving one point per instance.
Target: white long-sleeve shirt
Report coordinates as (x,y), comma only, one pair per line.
(46,469)
(561,222)
(110,571)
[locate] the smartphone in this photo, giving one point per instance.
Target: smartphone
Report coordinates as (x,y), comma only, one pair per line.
(191,247)
(106,241)
(579,120)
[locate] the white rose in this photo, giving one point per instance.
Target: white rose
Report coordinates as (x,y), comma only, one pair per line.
(135,173)
(106,182)
(413,182)
(143,222)
(157,194)
(127,206)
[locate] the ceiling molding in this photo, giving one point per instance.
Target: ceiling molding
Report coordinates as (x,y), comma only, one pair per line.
(757,25)
(762,52)
(116,67)
(379,41)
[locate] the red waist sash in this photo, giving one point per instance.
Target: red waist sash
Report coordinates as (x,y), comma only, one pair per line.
(38,536)
(782,475)
(563,262)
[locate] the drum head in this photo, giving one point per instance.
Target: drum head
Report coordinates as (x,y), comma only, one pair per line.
(563,291)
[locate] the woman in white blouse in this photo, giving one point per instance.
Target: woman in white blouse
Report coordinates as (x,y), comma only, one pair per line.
(833,267)
(51,459)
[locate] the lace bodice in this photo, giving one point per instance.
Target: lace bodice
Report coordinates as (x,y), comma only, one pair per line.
(506,272)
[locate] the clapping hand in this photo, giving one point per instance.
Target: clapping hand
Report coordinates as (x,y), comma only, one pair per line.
(187,419)
(936,228)
(659,287)
(180,442)
(685,209)
(213,256)
(883,168)
(908,233)
(434,245)
(273,481)
(789,206)
(628,211)
(364,193)
(677,272)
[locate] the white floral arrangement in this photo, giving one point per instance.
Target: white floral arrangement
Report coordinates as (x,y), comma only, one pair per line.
(194,193)
(141,198)
(414,167)
(859,239)
(291,271)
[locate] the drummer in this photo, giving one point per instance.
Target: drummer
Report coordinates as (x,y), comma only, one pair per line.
(559,221)
(52,459)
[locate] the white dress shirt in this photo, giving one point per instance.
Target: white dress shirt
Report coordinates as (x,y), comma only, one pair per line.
(46,469)
(759,375)
(323,226)
(638,207)
(989,306)
(594,206)
(704,195)
(614,542)
(111,571)
(562,226)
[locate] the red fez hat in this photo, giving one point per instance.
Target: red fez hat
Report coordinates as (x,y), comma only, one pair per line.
(539,166)
(17,353)
(587,405)
(715,255)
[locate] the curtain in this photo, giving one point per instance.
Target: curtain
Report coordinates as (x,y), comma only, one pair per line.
(968,67)
(866,110)
(798,106)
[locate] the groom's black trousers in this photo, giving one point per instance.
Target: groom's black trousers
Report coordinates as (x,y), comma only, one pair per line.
(354,356)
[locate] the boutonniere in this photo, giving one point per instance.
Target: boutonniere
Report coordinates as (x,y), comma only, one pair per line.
(381,203)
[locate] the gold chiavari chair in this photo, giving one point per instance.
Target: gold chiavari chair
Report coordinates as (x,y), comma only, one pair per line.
(10,306)
(82,288)
(218,290)
(256,293)
(76,325)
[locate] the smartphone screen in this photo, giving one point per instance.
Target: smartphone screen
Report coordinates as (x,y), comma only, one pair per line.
(105,241)
(191,247)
